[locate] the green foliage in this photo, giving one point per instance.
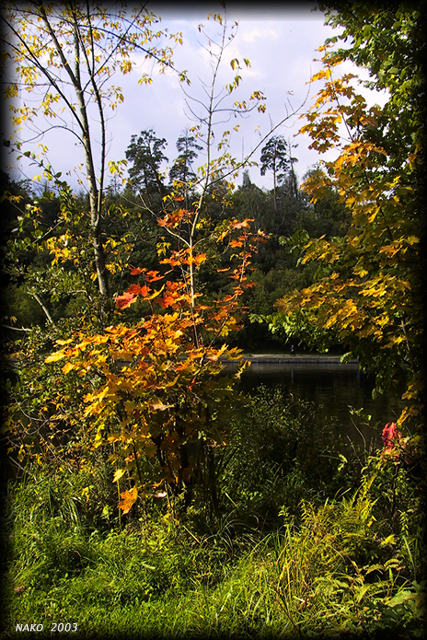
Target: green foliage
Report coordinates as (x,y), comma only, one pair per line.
(328,569)
(280,451)
(288,531)
(390,45)
(275,156)
(182,168)
(145,155)
(23,308)
(340,565)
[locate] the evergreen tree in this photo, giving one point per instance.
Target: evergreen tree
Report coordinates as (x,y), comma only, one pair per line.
(182,170)
(275,157)
(145,152)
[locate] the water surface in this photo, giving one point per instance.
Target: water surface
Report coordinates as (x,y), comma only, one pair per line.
(333,388)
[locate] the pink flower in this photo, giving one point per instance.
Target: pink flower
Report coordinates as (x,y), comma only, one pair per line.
(394,444)
(391,435)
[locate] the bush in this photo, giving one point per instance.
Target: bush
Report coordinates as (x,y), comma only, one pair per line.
(278,453)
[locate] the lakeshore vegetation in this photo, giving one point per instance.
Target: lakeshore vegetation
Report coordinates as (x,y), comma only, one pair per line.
(147,493)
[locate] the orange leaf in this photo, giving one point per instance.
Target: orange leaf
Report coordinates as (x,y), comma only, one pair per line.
(169,299)
(152,276)
(240,225)
(199,259)
(136,289)
(144,291)
(127,499)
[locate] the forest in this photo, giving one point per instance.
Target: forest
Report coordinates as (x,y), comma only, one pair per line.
(148,492)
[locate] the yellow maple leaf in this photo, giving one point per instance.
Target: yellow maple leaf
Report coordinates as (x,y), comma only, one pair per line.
(127,499)
(67,367)
(118,474)
(54,357)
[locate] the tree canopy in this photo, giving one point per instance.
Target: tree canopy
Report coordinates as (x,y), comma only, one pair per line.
(368,293)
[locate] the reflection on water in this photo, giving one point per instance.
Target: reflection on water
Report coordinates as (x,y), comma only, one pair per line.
(333,388)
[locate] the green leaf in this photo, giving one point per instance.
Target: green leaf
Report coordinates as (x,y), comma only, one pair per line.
(401,597)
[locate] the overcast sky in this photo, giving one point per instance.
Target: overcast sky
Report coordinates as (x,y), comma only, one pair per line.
(280,42)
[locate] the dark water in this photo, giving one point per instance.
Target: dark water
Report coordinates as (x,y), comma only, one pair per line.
(333,389)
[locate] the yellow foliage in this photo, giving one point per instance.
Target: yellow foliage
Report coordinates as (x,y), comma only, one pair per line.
(128,499)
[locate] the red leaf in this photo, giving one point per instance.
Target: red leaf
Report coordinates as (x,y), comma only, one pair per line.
(134,288)
(124,301)
(144,291)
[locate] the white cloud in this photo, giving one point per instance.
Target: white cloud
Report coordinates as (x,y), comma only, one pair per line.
(280,45)
(257,33)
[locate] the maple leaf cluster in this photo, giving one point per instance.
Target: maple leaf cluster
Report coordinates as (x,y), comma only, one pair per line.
(158,378)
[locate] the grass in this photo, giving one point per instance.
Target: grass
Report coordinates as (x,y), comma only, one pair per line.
(332,573)
(300,548)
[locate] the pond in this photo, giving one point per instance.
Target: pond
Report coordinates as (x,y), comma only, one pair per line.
(333,388)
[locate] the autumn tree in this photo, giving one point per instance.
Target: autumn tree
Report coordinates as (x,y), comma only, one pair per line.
(147,391)
(63,61)
(158,393)
(368,293)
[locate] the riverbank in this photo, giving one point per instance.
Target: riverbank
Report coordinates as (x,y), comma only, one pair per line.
(295,359)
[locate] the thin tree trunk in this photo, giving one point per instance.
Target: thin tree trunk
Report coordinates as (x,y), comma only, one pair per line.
(274,180)
(94,194)
(44,308)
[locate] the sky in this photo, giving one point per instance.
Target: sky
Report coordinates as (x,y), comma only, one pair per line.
(280,41)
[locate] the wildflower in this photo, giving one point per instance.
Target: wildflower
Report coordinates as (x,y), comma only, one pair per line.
(394,443)
(390,435)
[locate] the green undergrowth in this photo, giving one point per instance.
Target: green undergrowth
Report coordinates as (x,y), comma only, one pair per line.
(305,542)
(331,570)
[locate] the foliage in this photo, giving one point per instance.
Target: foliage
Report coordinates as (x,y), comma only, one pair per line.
(367,290)
(132,416)
(346,571)
(65,59)
(149,392)
(278,451)
(181,171)
(39,422)
(145,155)
(328,569)
(275,156)
(47,254)
(153,393)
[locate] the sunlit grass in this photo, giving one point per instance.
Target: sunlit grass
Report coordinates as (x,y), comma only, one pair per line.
(279,560)
(332,573)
